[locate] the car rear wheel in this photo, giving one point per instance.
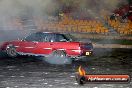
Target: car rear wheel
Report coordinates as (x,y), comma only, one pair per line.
(59,54)
(58,57)
(11,51)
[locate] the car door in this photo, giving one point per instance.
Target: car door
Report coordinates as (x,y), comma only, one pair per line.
(63,43)
(28,44)
(44,47)
(60,43)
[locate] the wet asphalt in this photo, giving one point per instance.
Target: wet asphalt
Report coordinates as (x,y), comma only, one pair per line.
(32,72)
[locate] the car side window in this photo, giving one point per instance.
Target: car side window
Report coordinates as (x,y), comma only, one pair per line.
(50,38)
(32,37)
(45,37)
(60,38)
(35,37)
(42,37)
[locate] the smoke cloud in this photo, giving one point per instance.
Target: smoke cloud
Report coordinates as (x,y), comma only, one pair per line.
(16,15)
(11,9)
(25,10)
(95,8)
(30,9)
(56,60)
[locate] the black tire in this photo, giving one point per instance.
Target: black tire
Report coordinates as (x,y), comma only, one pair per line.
(58,57)
(11,51)
(59,54)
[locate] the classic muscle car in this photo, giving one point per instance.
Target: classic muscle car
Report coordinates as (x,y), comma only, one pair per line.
(46,44)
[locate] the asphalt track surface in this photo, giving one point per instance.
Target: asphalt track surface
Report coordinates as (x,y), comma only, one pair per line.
(30,72)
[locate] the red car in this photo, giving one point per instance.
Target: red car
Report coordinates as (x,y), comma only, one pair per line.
(46,44)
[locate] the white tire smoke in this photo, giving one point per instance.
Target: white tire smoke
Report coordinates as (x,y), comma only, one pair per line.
(57,60)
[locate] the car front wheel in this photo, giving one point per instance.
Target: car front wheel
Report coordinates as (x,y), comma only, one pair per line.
(11,51)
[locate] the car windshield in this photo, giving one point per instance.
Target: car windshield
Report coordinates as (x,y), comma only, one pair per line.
(70,37)
(74,39)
